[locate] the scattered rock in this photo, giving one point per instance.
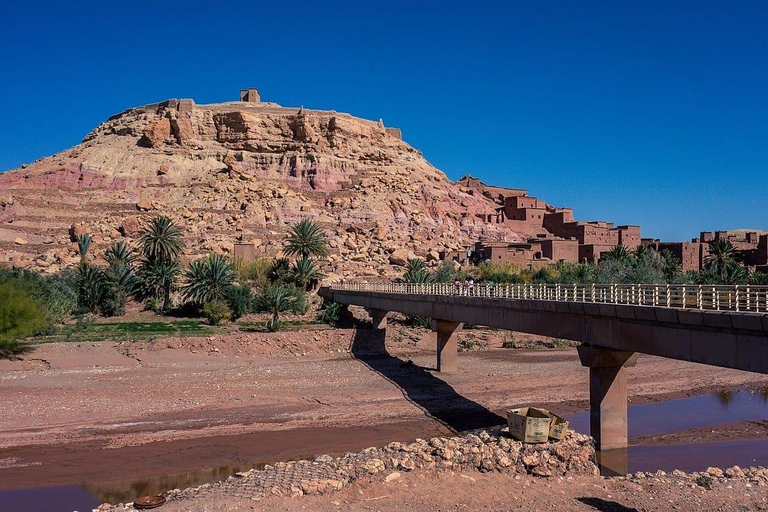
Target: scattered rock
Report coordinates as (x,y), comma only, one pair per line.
(145,204)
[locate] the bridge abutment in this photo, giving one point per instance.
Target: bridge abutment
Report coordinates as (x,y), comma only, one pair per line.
(447,345)
(607,394)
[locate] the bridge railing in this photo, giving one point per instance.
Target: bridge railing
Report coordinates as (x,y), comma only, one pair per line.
(714,297)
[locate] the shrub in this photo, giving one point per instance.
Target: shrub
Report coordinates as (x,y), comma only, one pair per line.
(276,299)
(330,313)
(216,312)
(240,300)
(208,280)
(117,283)
(57,293)
(510,340)
(305,273)
(281,270)
(21,316)
(90,281)
(255,272)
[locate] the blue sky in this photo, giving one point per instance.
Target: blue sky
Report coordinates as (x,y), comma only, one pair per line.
(643,112)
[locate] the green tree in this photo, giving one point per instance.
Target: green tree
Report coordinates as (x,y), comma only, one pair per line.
(617,253)
(90,286)
(275,299)
(240,300)
(120,255)
(156,282)
(671,265)
(21,316)
(281,270)
(161,246)
(721,260)
(305,274)
(208,280)
(161,241)
(305,239)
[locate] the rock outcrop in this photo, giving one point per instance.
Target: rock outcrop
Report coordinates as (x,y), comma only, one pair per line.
(237,172)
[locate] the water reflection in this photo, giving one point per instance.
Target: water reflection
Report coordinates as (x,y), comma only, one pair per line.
(725,397)
(122,491)
(688,413)
(724,407)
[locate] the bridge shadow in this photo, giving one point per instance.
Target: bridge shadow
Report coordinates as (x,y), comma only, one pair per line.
(419,385)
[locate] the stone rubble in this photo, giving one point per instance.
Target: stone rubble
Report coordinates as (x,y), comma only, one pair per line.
(484,451)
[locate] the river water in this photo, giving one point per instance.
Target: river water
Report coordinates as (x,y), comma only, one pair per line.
(710,410)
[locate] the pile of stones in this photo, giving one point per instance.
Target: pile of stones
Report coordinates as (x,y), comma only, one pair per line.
(757,476)
(484,451)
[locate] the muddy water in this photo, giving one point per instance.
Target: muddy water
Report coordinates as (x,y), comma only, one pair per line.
(710,411)
(82,477)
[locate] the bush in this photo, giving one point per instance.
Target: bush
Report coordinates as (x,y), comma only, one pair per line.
(330,313)
(281,270)
(277,299)
(56,293)
(254,272)
(510,340)
(240,301)
(90,280)
(208,280)
(216,312)
(21,316)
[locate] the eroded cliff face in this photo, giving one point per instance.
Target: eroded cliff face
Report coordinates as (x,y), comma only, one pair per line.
(239,172)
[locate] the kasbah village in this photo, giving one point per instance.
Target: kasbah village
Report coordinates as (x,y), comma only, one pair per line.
(242,306)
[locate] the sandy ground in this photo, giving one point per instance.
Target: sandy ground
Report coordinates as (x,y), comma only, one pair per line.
(110,411)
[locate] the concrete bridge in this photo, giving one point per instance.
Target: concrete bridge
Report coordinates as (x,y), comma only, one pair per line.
(715,325)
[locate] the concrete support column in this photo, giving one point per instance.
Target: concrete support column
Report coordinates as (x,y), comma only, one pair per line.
(607,394)
(378,318)
(447,345)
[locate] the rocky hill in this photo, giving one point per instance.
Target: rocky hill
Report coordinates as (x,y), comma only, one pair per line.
(238,173)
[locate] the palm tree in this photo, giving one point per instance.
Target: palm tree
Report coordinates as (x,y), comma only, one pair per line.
(275,300)
(721,259)
(208,279)
(120,255)
(618,253)
(281,270)
(83,244)
(670,264)
(158,281)
(305,273)
(584,273)
(305,239)
(642,252)
(161,240)
(416,272)
(90,285)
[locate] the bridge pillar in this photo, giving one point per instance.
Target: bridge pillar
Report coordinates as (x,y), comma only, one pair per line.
(607,394)
(447,345)
(378,318)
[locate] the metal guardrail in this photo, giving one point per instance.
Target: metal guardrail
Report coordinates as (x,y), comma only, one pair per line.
(688,296)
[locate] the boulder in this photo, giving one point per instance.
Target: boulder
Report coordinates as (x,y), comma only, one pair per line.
(77,230)
(145,204)
(399,257)
(130,226)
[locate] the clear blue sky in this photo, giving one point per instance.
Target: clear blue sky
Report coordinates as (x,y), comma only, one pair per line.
(644,112)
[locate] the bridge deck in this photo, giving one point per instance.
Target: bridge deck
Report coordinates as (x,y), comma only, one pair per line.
(726,337)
